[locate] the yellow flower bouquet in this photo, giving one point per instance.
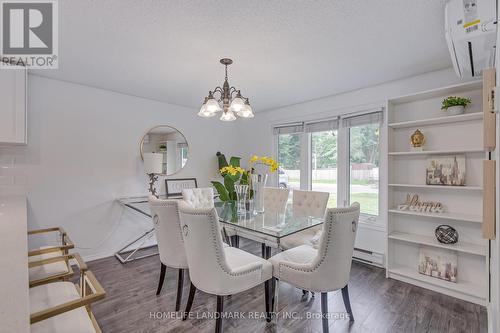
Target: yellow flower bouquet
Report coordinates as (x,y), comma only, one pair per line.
(233,174)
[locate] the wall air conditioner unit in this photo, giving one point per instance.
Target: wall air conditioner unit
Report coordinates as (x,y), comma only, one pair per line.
(471,27)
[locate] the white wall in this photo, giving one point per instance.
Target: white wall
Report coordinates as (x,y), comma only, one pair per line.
(256,135)
(83,153)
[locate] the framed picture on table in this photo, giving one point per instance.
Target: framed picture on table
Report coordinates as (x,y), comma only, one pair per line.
(174,187)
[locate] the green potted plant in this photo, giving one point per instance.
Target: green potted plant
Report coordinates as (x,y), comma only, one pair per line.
(162,147)
(232,174)
(454,105)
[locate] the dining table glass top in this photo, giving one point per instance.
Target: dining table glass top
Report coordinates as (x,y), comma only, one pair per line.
(273,224)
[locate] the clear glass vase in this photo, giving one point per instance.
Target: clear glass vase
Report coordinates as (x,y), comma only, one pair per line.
(241,198)
(258,184)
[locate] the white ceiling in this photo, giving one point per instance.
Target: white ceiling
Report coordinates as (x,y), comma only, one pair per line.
(284,51)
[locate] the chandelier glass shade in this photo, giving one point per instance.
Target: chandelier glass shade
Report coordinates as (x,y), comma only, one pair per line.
(230,102)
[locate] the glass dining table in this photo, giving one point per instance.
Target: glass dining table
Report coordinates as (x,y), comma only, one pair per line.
(267,228)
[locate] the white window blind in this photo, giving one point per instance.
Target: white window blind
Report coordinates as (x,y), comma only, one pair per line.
(288,128)
(322,125)
(363,119)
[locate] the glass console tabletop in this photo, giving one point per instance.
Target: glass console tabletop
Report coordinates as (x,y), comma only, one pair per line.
(267,228)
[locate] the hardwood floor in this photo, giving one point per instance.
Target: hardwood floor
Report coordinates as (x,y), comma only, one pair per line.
(379,304)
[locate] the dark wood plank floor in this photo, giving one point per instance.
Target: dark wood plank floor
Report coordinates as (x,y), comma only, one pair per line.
(379,304)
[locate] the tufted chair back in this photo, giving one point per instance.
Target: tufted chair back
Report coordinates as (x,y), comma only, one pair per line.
(165,215)
(199,197)
(333,261)
(275,199)
(310,203)
(208,267)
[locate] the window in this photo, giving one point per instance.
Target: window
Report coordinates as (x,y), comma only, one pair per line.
(364,167)
(324,164)
(289,153)
(289,160)
(364,161)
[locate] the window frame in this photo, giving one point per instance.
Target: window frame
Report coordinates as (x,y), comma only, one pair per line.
(343,166)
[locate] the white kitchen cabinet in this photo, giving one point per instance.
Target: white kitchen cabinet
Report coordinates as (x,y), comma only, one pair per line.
(13,96)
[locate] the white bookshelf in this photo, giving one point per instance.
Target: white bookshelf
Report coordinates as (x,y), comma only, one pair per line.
(409,231)
(439,187)
(436,152)
(438,216)
(439,120)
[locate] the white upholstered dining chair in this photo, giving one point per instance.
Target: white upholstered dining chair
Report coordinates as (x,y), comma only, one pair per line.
(199,197)
(165,215)
(204,198)
(326,268)
(275,199)
(216,269)
(306,203)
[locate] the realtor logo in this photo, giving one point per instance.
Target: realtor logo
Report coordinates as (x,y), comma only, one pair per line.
(29,33)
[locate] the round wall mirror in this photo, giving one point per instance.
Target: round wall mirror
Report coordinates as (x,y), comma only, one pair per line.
(169,142)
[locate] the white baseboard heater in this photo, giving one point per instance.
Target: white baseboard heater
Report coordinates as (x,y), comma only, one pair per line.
(368,257)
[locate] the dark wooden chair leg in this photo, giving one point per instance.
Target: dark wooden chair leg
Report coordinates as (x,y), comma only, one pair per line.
(192,291)
(163,269)
(347,302)
(235,241)
(267,290)
(324,312)
(180,283)
(220,309)
(266,251)
(226,237)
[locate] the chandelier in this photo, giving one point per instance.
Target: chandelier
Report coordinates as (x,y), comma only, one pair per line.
(230,101)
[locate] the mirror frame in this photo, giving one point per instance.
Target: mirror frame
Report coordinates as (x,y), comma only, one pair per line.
(141,149)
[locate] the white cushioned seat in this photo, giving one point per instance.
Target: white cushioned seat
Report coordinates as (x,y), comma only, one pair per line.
(48,270)
(237,258)
(298,255)
(45,255)
(309,237)
(75,321)
(53,294)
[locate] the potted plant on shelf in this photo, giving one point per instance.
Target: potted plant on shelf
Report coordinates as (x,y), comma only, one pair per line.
(454,105)
(162,147)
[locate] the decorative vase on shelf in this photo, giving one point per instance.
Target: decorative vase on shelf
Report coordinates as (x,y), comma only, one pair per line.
(258,184)
(455,110)
(241,198)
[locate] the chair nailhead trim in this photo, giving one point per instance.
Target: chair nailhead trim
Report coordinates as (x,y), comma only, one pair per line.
(331,219)
(218,254)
